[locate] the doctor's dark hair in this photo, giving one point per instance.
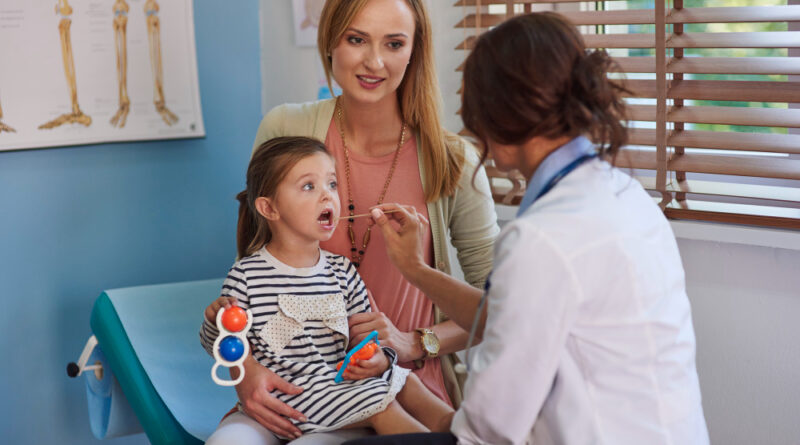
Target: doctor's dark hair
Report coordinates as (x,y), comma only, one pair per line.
(532,76)
(269,165)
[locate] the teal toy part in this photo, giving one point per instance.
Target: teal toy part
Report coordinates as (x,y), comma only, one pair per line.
(372,336)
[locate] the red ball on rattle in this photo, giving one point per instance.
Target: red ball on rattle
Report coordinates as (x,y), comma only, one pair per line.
(234,319)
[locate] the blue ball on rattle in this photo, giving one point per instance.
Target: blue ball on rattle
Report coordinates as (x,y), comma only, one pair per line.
(231,348)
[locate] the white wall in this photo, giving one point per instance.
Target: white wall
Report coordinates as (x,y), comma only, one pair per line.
(744,284)
(746,305)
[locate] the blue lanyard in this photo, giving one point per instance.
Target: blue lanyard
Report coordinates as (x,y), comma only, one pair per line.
(564,172)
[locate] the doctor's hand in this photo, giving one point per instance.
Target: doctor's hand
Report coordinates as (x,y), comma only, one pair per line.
(254,394)
(402,232)
(404,343)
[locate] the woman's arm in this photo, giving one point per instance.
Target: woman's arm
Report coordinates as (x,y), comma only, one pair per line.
(459,300)
(407,345)
(472,220)
(254,393)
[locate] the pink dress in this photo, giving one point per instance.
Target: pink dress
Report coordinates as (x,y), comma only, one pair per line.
(403,303)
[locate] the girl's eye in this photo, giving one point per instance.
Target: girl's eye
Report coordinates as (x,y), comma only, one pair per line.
(308,186)
(355,40)
(395,45)
(333,185)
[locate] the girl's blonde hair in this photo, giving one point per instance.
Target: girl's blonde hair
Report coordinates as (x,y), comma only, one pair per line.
(418,93)
(270,163)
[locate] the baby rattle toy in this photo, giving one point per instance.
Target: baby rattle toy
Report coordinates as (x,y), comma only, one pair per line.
(231,346)
(363,351)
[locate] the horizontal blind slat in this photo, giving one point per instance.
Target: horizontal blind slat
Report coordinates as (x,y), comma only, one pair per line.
(779,168)
(735,213)
(712,65)
(787,195)
(763,117)
(721,140)
(774,39)
(725,90)
(503,2)
(735,14)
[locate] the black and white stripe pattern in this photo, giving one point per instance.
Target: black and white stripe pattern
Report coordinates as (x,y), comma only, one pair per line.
(309,359)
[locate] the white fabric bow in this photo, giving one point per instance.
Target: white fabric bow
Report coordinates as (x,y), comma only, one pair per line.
(295,310)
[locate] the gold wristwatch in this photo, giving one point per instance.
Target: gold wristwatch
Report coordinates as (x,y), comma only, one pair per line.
(429,343)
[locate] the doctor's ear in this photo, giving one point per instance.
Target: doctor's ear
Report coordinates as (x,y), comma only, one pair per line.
(266,208)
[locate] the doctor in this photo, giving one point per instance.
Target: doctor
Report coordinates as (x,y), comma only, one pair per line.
(587,333)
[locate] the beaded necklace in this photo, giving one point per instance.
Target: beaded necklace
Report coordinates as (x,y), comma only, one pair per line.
(356,255)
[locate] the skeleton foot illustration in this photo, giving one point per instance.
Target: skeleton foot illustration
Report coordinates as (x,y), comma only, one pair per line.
(121,45)
(68,118)
(76,116)
(4,127)
(154,37)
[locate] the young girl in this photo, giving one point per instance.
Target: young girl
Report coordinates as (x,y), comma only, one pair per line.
(301,297)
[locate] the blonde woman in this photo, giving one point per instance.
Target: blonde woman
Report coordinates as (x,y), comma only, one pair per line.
(389,145)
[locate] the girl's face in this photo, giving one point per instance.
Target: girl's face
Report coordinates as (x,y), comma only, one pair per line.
(306,203)
(370,60)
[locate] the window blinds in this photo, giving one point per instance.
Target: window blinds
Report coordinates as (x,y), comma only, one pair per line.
(714,113)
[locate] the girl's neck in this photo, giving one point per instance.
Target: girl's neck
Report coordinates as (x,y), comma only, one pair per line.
(293,253)
(372,129)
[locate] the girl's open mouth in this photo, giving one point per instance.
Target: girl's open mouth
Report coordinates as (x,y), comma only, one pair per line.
(325,218)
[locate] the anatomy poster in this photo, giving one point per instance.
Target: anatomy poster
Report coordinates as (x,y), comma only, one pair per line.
(88,71)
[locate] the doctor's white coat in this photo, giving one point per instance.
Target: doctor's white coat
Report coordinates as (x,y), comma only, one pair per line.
(589,336)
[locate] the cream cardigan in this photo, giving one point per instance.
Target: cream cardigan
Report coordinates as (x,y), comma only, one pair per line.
(468,214)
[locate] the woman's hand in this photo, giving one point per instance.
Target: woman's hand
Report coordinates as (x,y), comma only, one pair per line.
(404,243)
(404,343)
(216,305)
(362,369)
(254,394)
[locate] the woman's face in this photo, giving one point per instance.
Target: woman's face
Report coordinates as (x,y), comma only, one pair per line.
(370,59)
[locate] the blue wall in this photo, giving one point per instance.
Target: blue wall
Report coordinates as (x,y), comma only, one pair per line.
(77,220)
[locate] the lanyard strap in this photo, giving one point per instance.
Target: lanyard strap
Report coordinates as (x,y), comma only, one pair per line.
(564,172)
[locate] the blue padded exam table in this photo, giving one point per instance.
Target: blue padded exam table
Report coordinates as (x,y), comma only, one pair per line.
(149,336)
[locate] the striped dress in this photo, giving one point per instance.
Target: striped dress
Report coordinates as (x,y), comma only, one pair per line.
(300,332)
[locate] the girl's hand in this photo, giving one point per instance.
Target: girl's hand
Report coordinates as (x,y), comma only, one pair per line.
(404,343)
(361,369)
(216,305)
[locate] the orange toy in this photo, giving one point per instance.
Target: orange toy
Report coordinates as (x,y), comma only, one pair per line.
(365,353)
(234,319)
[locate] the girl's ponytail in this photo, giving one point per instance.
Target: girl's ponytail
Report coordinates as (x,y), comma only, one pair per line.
(246,229)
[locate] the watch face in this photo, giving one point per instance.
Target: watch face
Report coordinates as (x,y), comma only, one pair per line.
(431,343)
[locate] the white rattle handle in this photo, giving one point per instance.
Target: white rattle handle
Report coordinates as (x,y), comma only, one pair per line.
(222,382)
(231,348)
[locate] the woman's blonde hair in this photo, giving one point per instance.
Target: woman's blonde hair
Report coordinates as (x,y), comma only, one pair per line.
(418,93)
